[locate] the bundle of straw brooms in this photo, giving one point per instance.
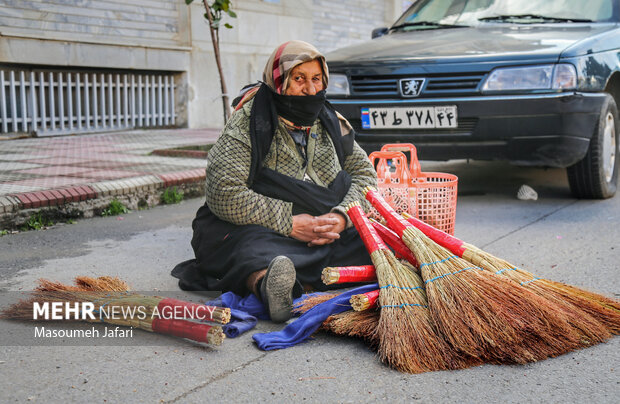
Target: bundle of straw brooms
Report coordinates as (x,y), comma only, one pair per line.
(450,305)
(111,292)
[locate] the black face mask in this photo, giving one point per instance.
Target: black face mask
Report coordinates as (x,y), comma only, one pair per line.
(302,110)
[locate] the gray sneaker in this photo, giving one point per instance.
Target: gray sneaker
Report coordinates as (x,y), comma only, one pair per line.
(276,288)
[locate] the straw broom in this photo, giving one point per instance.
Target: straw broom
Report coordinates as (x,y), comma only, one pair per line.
(351,274)
(365,301)
(127,308)
(124,303)
(407,340)
(480,314)
(593,315)
(113,284)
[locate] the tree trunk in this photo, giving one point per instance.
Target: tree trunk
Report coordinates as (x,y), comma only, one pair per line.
(216,49)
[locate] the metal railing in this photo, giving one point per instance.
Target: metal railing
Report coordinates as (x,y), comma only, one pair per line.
(53,103)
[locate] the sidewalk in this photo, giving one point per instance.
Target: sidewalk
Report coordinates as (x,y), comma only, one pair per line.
(75,176)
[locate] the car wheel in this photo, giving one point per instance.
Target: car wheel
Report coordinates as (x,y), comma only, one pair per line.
(596,176)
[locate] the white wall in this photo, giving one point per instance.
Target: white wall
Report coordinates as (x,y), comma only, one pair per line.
(168,35)
(133,34)
(260,27)
(132,22)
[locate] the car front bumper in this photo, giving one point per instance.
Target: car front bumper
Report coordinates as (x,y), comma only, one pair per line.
(537,130)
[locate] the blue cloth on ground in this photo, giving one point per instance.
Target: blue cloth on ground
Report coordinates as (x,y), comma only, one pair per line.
(302,328)
(243,312)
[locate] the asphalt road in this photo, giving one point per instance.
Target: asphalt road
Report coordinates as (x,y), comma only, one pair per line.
(556,237)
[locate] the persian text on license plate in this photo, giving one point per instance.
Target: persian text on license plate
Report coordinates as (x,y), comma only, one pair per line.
(412,118)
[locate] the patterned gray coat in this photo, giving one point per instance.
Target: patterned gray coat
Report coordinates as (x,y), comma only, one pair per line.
(228,167)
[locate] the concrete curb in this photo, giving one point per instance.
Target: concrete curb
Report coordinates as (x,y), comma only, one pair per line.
(128,186)
(88,200)
(9,204)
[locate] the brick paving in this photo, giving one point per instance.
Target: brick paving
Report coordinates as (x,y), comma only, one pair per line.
(45,172)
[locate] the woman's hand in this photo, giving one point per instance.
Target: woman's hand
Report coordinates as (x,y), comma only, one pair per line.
(318,230)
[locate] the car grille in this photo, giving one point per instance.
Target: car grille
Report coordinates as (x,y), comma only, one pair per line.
(436,85)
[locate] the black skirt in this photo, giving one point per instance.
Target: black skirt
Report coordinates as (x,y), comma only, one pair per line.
(225,262)
(226,254)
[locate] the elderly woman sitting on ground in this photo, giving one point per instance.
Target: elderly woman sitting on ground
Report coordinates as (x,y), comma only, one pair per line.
(278,181)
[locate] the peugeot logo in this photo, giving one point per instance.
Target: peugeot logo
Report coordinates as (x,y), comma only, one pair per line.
(411,87)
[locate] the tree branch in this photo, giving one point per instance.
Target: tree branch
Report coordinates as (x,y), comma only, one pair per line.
(216,50)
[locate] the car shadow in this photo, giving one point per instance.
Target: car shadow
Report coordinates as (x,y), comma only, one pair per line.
(479,178)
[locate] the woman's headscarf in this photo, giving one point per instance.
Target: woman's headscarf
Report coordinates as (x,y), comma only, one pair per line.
(280,64)
(284,59)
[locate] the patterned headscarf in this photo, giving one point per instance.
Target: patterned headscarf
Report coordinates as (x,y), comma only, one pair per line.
(285,58)
(279,66)
(264,118)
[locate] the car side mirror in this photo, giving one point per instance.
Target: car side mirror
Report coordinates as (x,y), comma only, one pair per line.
(377,32)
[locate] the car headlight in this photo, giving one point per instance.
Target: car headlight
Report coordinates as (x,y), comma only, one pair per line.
(561,76)
(338,85)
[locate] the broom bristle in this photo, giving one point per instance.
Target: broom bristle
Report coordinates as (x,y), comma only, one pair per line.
(359,324)
(592,321)
(86,284)
(312,300)
(598,306)
(46,285)
(486,316)
(407,340)
(102,283)
(495,262)
(21,310)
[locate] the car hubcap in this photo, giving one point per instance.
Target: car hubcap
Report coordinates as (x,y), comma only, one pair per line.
(609,147)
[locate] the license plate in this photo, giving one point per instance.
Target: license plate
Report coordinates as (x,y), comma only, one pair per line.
(410,118)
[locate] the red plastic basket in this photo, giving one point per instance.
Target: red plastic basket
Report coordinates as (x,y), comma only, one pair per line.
(392,180)
(429,196)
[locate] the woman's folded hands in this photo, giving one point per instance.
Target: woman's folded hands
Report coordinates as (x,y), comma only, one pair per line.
(318,230)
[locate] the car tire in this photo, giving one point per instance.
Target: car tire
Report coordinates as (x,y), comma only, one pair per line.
(596,176)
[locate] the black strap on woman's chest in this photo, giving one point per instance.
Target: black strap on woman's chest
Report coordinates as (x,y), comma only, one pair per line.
(306,197)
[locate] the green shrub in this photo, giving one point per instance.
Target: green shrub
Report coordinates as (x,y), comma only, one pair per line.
(37,221)
(115,207)
(171,196)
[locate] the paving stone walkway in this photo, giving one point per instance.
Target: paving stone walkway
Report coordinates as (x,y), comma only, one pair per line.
(41,172)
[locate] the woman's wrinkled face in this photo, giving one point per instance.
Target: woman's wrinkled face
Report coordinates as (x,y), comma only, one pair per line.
(305,79)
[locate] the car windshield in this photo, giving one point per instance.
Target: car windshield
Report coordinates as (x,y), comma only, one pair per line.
(436,14)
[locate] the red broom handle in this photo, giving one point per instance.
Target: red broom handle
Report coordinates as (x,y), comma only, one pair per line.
(369,236)
(442,238)
(395,242)
(372,296)
(362,273)
(182,328)
(199,311)
(393,219)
